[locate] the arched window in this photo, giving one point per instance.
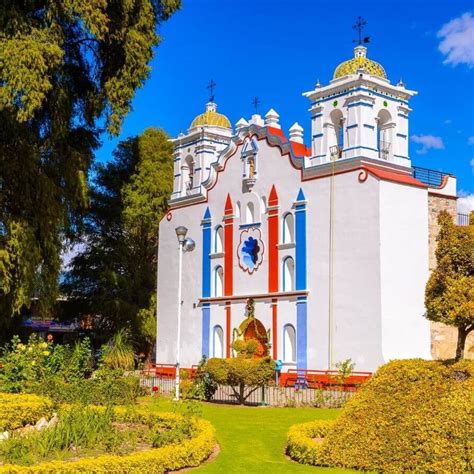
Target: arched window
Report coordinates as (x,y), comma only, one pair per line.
(289,343)
(219,239)
(288,228)
(218,342)
(218,281)
(336,133)
(264,204)
(249,213)
(237,210)
(288,274)
(384,133)
(188,173)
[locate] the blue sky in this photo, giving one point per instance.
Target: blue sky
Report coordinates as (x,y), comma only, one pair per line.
(277,49)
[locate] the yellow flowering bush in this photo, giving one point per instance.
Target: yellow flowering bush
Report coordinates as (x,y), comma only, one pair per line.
(188,453)
(305,441)
(413,415)
(18,410)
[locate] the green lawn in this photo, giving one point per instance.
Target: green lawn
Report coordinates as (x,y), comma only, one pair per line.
(252,439)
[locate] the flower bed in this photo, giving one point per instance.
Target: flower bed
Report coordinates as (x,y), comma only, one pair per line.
(17,410)
(173,453)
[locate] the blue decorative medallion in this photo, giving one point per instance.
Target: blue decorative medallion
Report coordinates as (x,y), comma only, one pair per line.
(250,249)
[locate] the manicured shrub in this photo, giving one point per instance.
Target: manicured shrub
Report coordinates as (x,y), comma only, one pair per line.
(412,415)
(17,410)
(305,441)
(244,373)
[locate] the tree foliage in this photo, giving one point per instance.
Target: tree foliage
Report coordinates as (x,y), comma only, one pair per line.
(114,274)
(244,373)
(66,67)
(449,296)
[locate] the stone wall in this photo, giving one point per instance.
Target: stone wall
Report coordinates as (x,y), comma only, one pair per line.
(443,338)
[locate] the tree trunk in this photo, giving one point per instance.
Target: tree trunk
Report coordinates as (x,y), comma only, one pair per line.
(462,335)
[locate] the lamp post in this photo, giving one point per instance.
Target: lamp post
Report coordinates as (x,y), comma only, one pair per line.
(184,245)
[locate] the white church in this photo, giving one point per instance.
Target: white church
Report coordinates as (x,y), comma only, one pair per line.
(330,240)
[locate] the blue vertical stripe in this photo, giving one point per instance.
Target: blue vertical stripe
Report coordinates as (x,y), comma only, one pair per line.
(206,327)
(300,230)
(301,281)
(301,333)
(206,280)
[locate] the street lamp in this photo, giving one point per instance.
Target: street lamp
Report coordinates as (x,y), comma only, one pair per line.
(184,245)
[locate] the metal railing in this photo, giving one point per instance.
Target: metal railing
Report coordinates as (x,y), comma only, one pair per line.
(432,178)
(271,395)
(462,219)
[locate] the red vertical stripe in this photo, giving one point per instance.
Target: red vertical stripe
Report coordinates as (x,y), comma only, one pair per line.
(273,232)
(274,328)
(227,329)
(273,266)
(228,247)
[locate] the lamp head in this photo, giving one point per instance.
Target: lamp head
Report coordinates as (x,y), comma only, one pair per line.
(181,232)
(189,245)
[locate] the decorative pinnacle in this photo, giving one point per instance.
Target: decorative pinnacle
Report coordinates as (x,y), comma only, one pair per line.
(359,26)
(211,86)
(256,103)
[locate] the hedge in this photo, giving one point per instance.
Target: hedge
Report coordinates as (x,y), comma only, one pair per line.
(303,445)
(413,415)
(189,453)
(19,410)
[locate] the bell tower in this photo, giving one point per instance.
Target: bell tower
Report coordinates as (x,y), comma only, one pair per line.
(209,133)
(360,114)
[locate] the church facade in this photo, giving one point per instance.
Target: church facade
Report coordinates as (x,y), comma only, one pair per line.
(329,242)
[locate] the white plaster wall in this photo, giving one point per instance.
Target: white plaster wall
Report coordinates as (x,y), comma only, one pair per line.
(168,290)
(404,270)
(356,302)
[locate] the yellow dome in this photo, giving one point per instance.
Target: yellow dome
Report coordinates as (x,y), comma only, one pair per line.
(211,118)
(360,61)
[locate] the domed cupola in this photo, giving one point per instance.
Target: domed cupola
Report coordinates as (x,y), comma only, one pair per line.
(211,118)
(360,63)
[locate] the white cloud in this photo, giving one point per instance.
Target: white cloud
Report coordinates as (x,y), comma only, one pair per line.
(427,142)
(457,40)
(448,122)
(470,140)
(466,204)
(472,164)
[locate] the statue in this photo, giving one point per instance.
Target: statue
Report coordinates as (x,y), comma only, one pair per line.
(251,168)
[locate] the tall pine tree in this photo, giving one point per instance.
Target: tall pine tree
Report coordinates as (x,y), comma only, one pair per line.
(66,68)
(114,274)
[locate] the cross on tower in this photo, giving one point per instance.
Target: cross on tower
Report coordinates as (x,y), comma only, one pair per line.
(359,26)
(211,86)
(256,103)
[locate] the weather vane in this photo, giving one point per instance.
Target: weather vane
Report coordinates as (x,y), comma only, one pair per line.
(211,86)
(359,26)
(255,103)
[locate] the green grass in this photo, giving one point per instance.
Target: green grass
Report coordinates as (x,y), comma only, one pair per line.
(252,439)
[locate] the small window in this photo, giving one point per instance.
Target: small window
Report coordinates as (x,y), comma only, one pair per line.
(219,239)
(288,274)
(218,342)
(237,210)
(288,228)
(289,343)
(250,213)
(218,281)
